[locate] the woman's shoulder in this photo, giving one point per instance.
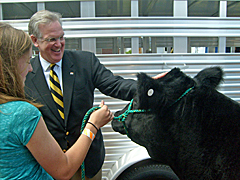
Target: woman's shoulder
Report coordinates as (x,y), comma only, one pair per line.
(18,104)
(22,106)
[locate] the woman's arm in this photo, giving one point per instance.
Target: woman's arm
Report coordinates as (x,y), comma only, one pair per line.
(49,155)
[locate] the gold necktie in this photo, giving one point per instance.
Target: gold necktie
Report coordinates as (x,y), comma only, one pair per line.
(56,91)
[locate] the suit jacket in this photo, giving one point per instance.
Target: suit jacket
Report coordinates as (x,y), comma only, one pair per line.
(81,74)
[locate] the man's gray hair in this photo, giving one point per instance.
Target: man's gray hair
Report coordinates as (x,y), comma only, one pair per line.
(42,17)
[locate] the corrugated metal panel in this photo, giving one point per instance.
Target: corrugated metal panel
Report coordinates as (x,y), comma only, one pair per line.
(129,65)
(146,26)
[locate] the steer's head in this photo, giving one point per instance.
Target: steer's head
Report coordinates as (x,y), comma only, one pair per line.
(157,128)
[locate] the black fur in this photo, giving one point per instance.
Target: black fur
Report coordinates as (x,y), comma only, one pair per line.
(198,135)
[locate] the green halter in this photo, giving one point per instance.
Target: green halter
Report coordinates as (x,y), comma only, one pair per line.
(120,118)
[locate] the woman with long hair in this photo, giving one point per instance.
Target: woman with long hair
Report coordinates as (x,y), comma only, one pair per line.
(28,150)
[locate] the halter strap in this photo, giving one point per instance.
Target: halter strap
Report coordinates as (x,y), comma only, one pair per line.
(184,94)
(122,117)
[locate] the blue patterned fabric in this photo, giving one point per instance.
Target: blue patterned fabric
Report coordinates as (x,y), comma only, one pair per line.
(18,120)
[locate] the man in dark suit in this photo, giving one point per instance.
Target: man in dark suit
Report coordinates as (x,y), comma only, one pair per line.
(79,74)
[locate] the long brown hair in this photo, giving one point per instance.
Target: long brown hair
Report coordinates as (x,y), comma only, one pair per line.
(14,43)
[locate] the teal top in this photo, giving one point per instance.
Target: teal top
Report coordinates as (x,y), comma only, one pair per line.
(18,120)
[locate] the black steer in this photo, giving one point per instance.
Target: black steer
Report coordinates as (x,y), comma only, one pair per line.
(191,126)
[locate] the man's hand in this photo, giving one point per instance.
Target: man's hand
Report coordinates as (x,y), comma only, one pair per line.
(160,75)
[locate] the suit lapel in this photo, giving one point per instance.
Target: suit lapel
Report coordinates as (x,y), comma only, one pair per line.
(68,73)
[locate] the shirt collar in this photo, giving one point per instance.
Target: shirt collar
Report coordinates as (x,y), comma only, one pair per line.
(46,64)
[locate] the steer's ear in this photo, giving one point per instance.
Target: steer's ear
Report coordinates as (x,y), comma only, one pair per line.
(210,77)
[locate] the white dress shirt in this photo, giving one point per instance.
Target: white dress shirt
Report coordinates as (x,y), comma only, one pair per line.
(46,70)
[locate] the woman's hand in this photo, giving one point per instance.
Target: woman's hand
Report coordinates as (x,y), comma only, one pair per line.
(101,116)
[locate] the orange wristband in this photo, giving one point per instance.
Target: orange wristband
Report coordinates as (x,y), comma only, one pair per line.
(88,133)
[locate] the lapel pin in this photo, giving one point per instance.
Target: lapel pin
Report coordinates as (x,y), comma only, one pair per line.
(71,73)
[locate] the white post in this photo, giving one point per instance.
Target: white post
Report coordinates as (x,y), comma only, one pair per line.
(1,12)
(134,40)
(40,6)
(88,10)
(222,40)
(180,44)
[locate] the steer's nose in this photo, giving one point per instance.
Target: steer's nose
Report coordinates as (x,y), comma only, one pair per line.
(118,127)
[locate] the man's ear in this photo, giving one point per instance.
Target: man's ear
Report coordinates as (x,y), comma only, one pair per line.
(34,40)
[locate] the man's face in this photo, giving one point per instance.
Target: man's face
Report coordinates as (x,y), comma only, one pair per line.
(51,45)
